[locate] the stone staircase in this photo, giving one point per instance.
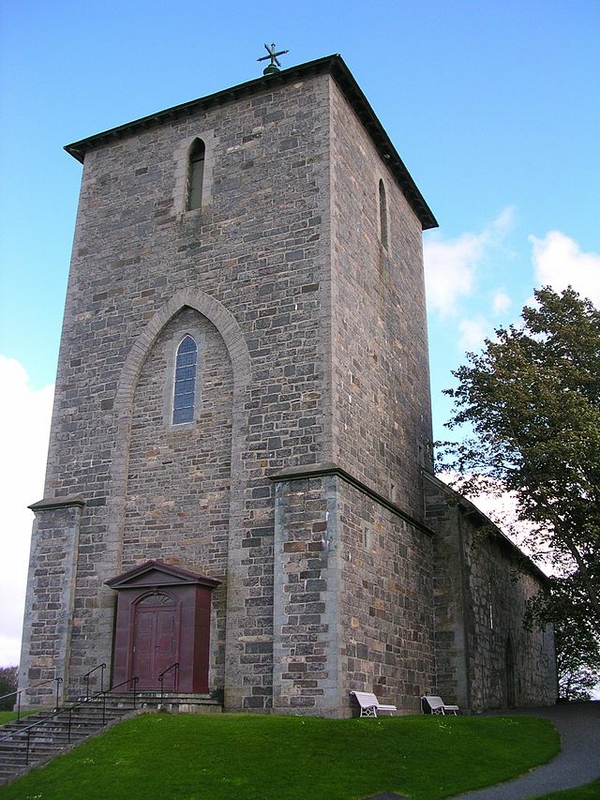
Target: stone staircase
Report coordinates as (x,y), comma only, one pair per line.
(39,737)
(178,702)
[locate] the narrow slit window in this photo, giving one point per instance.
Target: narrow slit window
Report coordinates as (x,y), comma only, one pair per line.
(383,222)
(196,175)
(184,390)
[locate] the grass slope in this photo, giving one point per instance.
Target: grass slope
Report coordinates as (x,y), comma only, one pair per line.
(252,757)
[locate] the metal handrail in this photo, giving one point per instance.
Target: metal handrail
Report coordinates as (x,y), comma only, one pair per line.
(86,678)
(161,677)
(27,729)
(134,680)
(18,692)
(52,715)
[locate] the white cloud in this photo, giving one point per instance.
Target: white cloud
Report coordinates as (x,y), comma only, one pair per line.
(451,266)
(501,302)
(24,430)
(472,333)
(559,262)
(449,271)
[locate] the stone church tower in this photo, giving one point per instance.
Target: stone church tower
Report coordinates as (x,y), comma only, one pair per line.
(242,422)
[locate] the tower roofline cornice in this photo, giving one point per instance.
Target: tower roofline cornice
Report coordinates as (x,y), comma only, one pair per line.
(335,66)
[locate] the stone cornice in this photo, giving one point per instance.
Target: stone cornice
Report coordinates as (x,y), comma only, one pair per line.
(309,471)
(48,503)
(335,66)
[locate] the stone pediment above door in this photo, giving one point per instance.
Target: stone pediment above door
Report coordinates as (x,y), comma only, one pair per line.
(153,574)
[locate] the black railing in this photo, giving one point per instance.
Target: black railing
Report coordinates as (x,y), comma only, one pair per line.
(161,677)
(27,730)
(134,681)
(86,678)
(17,694)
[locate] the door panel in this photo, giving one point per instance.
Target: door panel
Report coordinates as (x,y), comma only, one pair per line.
(155,640)
(165,650)
(143,646)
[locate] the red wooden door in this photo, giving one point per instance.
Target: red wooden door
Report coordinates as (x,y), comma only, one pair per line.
(155,641)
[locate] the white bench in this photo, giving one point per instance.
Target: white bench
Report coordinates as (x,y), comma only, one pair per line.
(437,705)
(370,705)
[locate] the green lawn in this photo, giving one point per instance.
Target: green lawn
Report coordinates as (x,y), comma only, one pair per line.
(254,757)
(592,790)
(8,716)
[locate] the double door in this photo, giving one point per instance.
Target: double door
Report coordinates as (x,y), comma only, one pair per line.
(155,641)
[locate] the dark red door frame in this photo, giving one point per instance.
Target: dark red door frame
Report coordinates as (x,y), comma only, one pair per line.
(143,620)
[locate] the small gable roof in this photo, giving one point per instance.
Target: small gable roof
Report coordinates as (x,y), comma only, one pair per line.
(158,573)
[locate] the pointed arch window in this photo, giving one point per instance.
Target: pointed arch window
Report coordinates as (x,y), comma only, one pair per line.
(383,218)
(184,392)
(196,174)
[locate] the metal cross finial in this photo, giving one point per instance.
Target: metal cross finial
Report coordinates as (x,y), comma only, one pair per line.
(274,65)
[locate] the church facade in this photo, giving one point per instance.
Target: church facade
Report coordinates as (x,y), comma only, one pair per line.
(240,473)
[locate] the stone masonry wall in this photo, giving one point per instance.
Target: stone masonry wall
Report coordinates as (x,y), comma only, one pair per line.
(498,595)
(382,415)
(386,602)
(314,351)
(485,656)
(178,486)
(306,677)
(50,601)
(353,599)
(254,255)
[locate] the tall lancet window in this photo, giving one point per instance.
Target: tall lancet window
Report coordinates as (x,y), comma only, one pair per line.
(196,175)
(184,392)
(383,219)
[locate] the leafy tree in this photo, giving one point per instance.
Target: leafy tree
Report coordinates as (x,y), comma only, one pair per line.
(577,645)
(8,684)
(532,402)
(577,661)
(576,681)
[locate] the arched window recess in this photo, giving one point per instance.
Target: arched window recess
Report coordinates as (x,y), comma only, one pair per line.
(383,215)
(195,174)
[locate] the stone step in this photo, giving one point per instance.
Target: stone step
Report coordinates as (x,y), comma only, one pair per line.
(52,735)
(60,726)
(172,701)
(24,721)
(19,757)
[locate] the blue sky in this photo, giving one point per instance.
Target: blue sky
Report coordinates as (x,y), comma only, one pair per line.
(494,108)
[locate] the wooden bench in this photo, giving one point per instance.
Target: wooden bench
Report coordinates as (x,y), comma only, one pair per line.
(437,705)
(370,705)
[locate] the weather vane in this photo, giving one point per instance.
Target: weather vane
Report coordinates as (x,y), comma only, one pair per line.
(274,66)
